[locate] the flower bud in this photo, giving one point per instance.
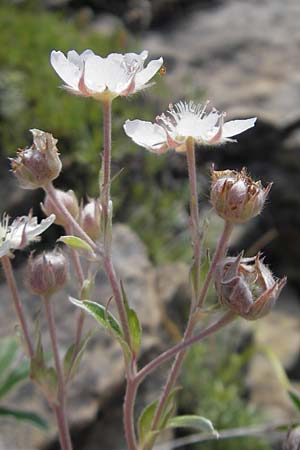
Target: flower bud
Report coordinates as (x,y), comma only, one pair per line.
(70,202)
(91,219)
(39,164)
(247,286)
(47,272)
(235,196)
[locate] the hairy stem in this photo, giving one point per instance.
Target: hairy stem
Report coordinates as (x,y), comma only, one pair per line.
(50,190)
(105,188)
(173,374)
(165,356)
(128,413)
(115,285)
(11,282)
(80,312)
(194,213)
(60,407)
(219,253)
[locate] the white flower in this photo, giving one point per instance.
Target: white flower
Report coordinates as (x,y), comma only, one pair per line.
(21,232)
(91,75)
(183,121)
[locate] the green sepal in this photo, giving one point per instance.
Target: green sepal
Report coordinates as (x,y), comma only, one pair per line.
(76,243)
(24,416)
(106,319)
(135,328)
(191,421)
(71,363)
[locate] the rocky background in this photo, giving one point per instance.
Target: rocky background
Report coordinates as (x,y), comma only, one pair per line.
(244,56)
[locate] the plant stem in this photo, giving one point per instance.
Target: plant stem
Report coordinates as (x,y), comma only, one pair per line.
(106,158)
(173,374)
(110,271)
(60,407)
(220,250)
(11,282)
(128,412)
(80,313)
(194,213)
(50,190)
(163,357)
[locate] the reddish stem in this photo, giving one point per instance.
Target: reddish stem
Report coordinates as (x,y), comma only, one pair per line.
(11,282)
(60,407)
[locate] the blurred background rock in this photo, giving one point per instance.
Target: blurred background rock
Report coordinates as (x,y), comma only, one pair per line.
(244,56)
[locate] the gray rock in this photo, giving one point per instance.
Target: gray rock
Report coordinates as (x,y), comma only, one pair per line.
(239,54)
(97,390)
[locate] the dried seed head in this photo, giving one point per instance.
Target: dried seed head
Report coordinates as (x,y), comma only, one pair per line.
(90,219)
(39,164)
(70,202)
(47,272)
(235,196)
(247,286)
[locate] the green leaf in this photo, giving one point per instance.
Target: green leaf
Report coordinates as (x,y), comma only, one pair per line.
(14,377)
(70,363)
(197,422)
(76,243)
(146,435)
(295,397)
(145,421)
(133,322)
(27,416)
(8,351)
(105,318)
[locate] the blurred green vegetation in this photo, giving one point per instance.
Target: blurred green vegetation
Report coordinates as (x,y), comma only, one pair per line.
(30,97)
(213,386)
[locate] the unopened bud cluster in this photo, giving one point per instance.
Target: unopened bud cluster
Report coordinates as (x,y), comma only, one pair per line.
(39,164)
(68,199)
(90,219)
(247,286)
(47,272)
(235,196)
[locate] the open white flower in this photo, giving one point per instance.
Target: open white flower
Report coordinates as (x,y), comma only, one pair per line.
(183,121)
(21,232)
(91,75)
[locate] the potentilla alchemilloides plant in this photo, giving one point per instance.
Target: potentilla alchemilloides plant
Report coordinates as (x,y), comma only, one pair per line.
(244,286)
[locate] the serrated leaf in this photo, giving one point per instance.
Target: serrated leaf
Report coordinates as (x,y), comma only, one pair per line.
(14,377)
(27,416)
(76,243)
(133,322)
(71,363)
(191,421)
(105,318)
(295,397)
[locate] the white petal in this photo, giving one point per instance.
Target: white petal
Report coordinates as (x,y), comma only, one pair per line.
(235,127)
(5,248)
(95,75)
(77,59)
(149,135)
(146,74)
(68,71)
(36,230)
